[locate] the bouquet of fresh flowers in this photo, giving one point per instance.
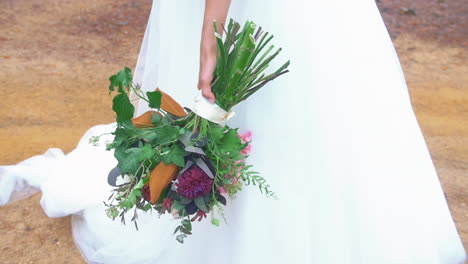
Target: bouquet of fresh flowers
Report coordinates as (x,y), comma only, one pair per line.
(183,161)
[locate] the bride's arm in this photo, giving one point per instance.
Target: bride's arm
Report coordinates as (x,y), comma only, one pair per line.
(214,10)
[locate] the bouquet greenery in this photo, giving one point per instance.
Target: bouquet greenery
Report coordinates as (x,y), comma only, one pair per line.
(173,160)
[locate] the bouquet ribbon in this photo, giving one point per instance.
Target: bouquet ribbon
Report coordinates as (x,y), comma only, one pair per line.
(210,111)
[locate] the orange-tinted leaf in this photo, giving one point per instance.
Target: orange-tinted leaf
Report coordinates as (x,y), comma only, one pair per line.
(170,105)
(144,120)
(160,178)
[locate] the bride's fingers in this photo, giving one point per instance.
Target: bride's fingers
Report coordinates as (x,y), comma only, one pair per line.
(208,94)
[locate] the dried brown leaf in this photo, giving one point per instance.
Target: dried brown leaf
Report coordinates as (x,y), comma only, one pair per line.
(170,105)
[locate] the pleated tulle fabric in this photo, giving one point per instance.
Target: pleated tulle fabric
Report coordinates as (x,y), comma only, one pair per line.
(337,139)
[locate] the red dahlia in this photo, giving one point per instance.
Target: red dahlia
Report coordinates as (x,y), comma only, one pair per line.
(193,183)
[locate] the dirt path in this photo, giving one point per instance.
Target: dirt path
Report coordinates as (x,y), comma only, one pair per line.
(55,57)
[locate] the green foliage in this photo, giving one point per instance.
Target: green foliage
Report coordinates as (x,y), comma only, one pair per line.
(123,107)
(154,99)
(254,178)
(185,229)
(166,134)
(215,222)
(121,137)
(180,238)
(156,119)
(121,103)
(200,202)
(178,205)
(129,160)
(147,152)
(240,68)
(187,224)
(230,144)
(175,155)
(123,79)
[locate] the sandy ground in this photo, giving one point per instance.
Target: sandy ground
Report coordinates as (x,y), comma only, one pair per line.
(56,55)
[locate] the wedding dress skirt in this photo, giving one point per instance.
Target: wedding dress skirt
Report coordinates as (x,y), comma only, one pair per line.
(337,139)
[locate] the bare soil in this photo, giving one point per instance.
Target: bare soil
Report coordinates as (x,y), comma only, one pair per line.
(56,55)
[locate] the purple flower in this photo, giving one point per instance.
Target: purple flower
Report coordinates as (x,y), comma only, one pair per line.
(193,183)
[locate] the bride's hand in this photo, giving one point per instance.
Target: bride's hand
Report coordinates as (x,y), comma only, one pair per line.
(205,87)
(215,10)
(207,67)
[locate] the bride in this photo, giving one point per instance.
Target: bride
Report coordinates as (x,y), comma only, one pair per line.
(337,139)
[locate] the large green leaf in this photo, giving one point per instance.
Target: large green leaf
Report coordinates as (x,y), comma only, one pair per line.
(187,224)
(166,134)
(147,152)
(121,136)
(154,99)
(123,107)
(230,144)
(177,205)
(216,134)
(200,203)
(122,79)
(128,162)
(176,155)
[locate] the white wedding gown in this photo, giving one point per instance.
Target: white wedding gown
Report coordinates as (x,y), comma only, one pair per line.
(336,137)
